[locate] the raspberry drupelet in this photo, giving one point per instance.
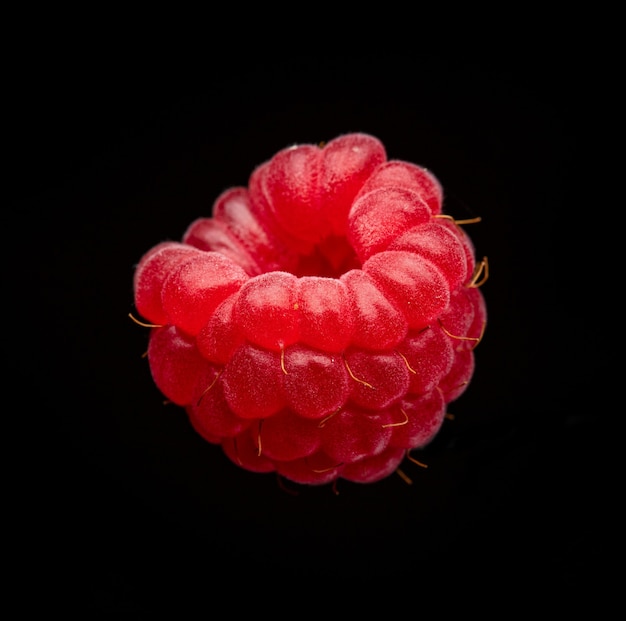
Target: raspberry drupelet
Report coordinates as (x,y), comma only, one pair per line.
(320,321)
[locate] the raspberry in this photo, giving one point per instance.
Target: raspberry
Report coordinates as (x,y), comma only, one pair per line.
(320,321)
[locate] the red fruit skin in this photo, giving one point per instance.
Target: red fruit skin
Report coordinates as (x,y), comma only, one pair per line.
(244,452)
(441,246)
(325,311)
(292,190)
(315,469)
(253,382)
(196,287)
(285,437)
(310,190)
(466,242)
(371,230)
(178,369)
(454,384)
(424,417)
(404,175)
(209,234)
(318,324)
(289,248)
(221,336)
(233,210)
(211,415)
(347,163)
(374,468)
(414,284)
(150,274)
(378,324)
(316,383)
(266,310)
(353,434)
(378,378)
(429,356)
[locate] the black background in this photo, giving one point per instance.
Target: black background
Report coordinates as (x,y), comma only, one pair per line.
(125,507)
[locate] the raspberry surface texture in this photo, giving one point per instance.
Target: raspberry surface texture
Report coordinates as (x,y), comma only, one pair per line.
(318,323)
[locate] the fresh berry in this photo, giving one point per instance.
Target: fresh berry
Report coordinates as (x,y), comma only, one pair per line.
(320,321)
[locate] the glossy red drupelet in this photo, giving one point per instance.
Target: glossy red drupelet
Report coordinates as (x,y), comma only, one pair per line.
(320,321)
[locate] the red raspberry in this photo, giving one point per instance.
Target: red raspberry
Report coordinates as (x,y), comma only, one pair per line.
(318,324)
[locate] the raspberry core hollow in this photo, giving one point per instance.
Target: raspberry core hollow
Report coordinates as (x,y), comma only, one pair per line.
(318,323)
